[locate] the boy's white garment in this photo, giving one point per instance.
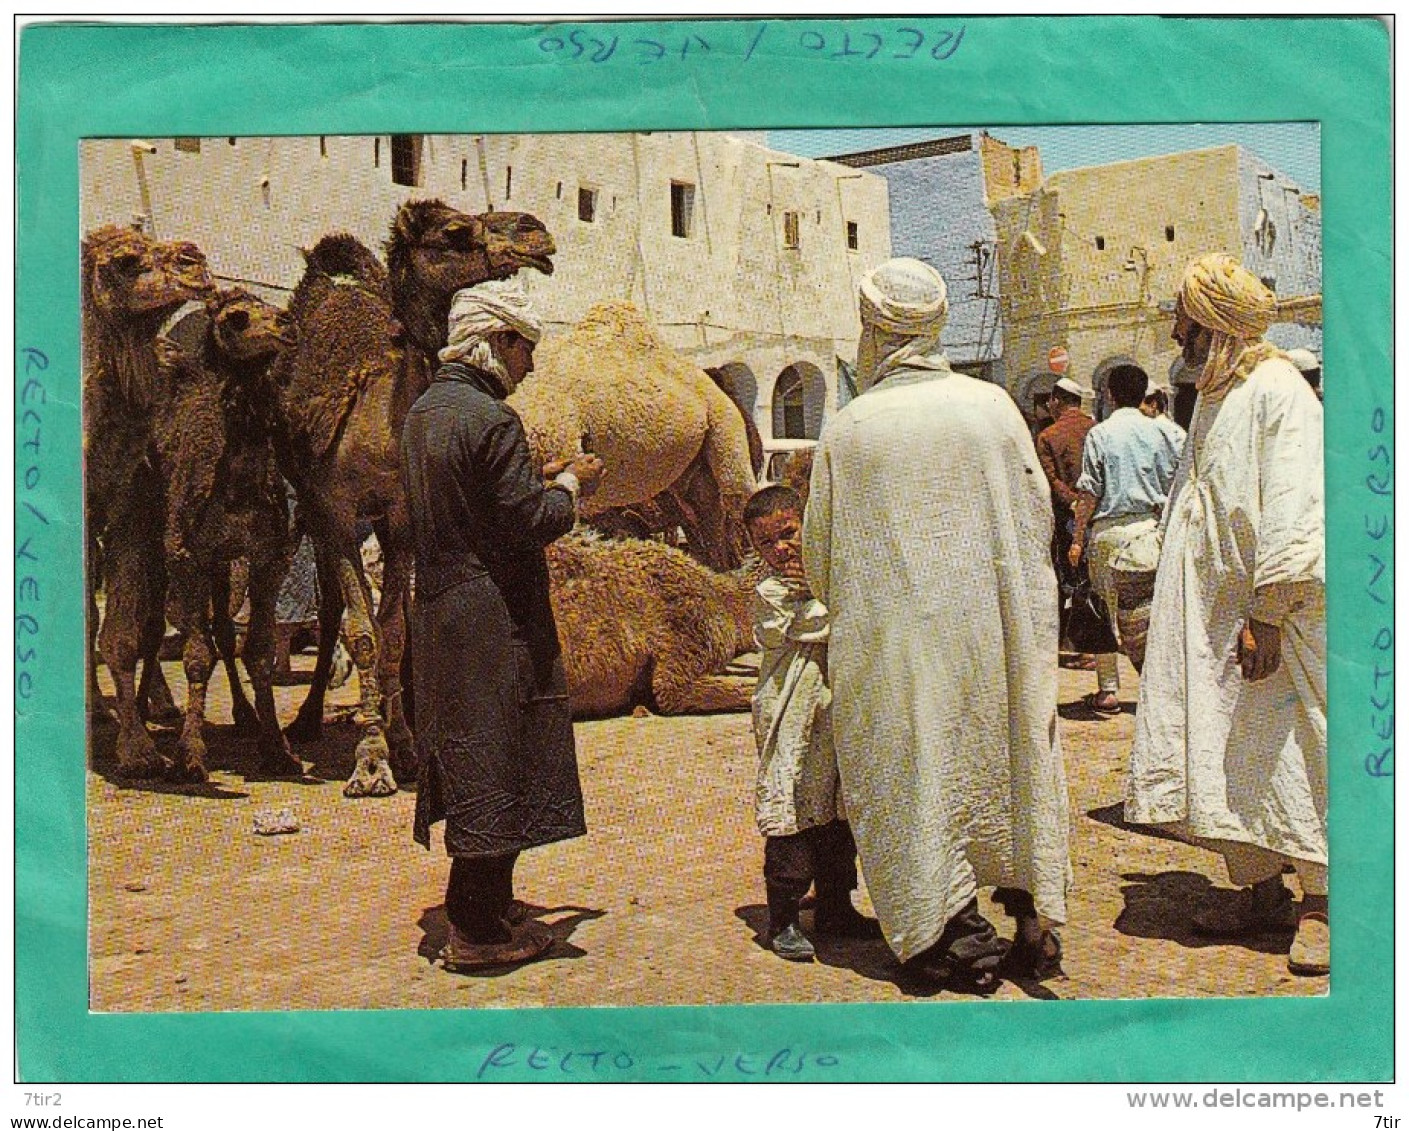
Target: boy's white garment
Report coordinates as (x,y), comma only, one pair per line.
(797,773)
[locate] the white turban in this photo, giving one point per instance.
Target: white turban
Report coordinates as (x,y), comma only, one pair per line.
(904,304)
(493,307)
(1223,296)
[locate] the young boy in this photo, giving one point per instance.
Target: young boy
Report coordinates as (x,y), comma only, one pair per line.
(797,803)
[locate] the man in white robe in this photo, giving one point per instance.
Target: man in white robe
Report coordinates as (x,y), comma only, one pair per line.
(1230,733)
(927,535)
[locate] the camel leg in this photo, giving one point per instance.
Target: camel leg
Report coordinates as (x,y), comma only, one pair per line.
(246,718)
(308,724)
(96,711)
(275,757)
(710,541)
(154,698)
(372,776)
(131,596)
(190,607)
(391,620)
(704,695)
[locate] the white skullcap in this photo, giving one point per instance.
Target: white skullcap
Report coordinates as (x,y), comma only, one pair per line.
(1067,385)
(1303,359)
(489,308)
(904,296)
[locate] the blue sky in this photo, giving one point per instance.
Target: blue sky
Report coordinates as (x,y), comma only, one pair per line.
(1291,147)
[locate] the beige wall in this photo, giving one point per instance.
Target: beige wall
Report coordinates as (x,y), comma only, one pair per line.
(1061,289)
(730,293)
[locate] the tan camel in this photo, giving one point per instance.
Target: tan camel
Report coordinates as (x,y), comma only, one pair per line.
(131,284)
(368,336)
(659,422)
(225,501)
(644,624)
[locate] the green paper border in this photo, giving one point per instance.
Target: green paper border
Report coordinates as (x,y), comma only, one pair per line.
(166,80)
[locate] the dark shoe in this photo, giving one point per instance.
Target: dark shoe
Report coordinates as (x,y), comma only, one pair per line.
(1264,908)
(1036,961)
(527,941)
(846,923)
(792,944)
(967,955)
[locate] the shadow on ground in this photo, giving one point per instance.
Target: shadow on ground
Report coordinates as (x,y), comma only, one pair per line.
(561,922)
(871,959)
(1162,907)
(1078,711)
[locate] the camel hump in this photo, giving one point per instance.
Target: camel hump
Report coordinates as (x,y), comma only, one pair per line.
(622,322)
(344,254)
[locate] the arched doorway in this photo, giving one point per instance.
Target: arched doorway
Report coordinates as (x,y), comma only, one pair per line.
(1102,374)
(799,399)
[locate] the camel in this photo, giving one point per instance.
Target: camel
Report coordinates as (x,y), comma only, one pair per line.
(368,335)
(644,624)
(660,424)
(225,501)
(131,284)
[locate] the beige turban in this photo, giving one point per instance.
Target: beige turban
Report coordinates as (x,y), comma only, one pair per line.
(490,308)
(904,304)
(1222,295)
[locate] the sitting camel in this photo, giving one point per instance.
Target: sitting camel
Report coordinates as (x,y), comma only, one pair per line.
(660,424)
(225,501)
(368,335)
(644,624)
(131,284)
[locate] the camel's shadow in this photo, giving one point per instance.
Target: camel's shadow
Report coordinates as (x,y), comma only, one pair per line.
(331,759)
(1162,907)
(871,959)
(561,922)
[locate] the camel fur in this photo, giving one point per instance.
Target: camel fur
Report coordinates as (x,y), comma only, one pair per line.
(131,284)
(644,624)
(658,421)
(368,335)
(226,501)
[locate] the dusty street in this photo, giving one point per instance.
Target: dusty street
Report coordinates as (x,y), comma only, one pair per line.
(660,904)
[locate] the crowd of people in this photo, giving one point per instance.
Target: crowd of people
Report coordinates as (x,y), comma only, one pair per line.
(909,627)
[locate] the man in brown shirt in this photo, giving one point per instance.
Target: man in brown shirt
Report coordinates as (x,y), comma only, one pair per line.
(1059,452)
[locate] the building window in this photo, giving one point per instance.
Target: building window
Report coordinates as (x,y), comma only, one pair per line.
(376,153)
(188,145)
(508,181)
(853,236)
(406,159)
(232,140)
(792,238)
(586,204)
(1100,243)
(322,147)
(682,209)
(464,173)
(559,193)
(789,396)
(1169,233)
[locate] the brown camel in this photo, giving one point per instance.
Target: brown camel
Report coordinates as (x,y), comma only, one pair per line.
(131,284)
(645,625)
(225,501)
(368,336)
(658,421)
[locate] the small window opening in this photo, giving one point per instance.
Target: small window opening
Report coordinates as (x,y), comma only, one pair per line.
(587,205)
(465,174)
(406,159)
(1100,243)
(792,238)
(560,190)
(232,140)
(322,147)
(508,181)
(853,235)
(376,153)
(188,145)
(682,209)
(1169,233)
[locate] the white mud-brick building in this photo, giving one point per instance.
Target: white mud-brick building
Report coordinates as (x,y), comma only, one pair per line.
(1091,261)
(746,259)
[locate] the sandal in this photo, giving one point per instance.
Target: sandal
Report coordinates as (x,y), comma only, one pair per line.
(1311,949)
(1091,703)
(1038,960)
(530,940)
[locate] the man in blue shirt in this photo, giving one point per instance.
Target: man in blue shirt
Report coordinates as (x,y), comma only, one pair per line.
(1127,467)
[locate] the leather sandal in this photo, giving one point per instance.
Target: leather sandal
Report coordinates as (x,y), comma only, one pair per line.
(530,940)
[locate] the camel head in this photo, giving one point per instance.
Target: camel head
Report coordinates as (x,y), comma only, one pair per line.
(435,250)
(246,329)
(130,279)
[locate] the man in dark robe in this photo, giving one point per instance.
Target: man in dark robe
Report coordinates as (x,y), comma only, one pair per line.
(494,725)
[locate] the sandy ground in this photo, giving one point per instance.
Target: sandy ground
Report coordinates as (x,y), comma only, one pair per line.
(661,903)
